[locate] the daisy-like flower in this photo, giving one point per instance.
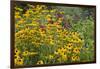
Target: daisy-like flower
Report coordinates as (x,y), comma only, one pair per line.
(25,53)
(19,61)
(69,46)
(40,62)
(17,52)
(76,50)
(75,58)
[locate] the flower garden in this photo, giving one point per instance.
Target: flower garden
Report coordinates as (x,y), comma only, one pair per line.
(53,35)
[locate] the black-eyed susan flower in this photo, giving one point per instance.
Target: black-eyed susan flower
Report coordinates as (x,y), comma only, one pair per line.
(17,52)
(51,56)
(56,52)
(76,50)
(63,49)
(16,56)
(19,61)
(25,53)
(75,58)
(40,62)
(69,46)
(52,42)
(59,51)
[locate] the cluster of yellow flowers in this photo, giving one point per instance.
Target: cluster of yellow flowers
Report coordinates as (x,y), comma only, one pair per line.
(40,38)
(19,56)
(18,60)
